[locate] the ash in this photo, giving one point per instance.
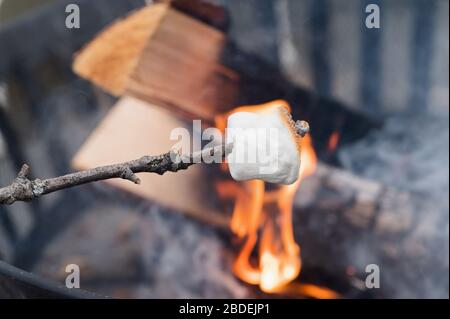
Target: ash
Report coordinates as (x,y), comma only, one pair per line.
(411,153)
(186,259)
(145,252)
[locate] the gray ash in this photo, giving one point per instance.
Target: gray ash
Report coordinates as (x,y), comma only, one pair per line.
(143,252)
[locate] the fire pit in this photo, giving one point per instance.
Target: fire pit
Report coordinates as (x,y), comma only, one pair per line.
(357,207)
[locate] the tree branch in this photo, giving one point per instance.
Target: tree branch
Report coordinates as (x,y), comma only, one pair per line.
(24,189)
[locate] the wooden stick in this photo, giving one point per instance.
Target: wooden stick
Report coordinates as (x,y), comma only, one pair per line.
(24,189)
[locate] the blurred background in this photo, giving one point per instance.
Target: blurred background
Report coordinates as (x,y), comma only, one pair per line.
(397,75)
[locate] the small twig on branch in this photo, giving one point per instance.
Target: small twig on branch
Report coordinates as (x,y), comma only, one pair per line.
(24,189)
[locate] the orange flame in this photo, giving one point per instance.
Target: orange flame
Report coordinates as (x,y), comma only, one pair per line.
(333,141)
(264,218)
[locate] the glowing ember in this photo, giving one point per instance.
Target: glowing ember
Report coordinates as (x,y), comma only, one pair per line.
(263,220)
(333,141)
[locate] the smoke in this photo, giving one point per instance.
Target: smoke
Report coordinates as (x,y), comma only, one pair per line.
(411,153)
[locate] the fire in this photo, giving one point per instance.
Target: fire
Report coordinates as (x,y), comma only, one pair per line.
(333,141)
(262,219)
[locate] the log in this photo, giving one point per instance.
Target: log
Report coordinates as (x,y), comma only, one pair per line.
(162,56)
(111,57)
(343,223)
(363,204)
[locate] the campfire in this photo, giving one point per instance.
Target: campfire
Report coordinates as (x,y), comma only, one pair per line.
(320,225)
(160,90)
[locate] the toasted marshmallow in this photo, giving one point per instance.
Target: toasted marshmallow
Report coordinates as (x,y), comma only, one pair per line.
(266,143)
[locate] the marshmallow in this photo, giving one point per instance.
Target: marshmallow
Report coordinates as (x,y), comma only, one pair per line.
(266,143)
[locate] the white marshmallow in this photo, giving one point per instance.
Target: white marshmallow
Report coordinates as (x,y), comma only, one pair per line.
(265,144)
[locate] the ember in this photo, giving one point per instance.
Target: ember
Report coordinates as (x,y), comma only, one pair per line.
(333,141)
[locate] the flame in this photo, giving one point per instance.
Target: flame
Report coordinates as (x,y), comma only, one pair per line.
(264,218)
(333,141)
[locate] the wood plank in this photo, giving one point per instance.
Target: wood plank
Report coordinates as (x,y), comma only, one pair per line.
(162,56)
(180,68)
(134,128)
(111,57)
